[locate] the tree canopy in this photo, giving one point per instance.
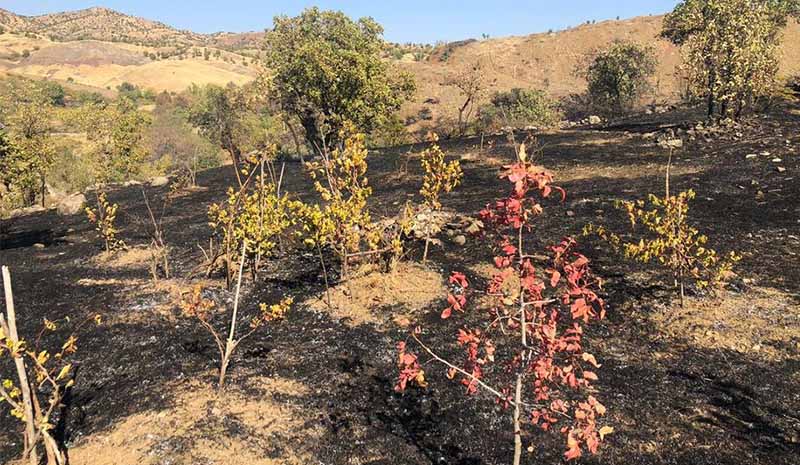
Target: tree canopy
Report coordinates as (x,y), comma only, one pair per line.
(328,70)
(618,76)
(730,48)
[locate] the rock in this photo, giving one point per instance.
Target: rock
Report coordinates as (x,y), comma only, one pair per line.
(776,160)
(570,213)
(27,211)
(132,183)
(71,204)
(38,245)
(781,169)
(460,239)
(159,181)
(594,119)
(750,156)
(674,143)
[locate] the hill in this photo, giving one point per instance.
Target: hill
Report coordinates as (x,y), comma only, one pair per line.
(99,24)
(101,47)
(548,61)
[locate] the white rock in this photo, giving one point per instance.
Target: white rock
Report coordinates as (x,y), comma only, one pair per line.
(71,204)
(159,181)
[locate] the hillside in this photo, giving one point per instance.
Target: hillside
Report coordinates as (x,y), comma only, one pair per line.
(99,24)
(101,48)
(548,61)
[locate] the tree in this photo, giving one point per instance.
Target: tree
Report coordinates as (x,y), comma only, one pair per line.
(730,49)
(217,112)
(472,85)
(170,137)
(327,69)
(618,76)
(528,352)
(27,111)
(117,136)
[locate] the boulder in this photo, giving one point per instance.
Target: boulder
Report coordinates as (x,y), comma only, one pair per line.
(71,204)
(159,181)
(594,119)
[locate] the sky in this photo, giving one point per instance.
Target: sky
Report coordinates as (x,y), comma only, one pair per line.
(407,21)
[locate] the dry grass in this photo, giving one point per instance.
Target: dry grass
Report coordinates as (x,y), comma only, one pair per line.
(192,429)
(367,295)
(764,322)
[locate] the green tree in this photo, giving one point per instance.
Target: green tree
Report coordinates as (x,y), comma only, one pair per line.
(26,109)
(218,112)
(730,49)
(327,69)
(618,76)
(116,133)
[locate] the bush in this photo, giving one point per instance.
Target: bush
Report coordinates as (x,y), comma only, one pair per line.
(618,77)
(519,108)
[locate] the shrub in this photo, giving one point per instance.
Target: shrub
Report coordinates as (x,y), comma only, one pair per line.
(618,76)
(730,49)
(328,70)
(390,134)
(669,240)
(438,176)
(518,108)
(533,331)
(104,218)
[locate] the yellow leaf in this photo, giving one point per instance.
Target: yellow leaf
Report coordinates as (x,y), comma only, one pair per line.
(605,431)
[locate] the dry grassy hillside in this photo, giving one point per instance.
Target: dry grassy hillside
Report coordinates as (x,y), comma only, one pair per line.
(545,60)
(548,60)
(99,24)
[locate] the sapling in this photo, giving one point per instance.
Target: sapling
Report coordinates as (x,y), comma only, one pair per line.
(104,218)
(42,381)
(439,176)
(534,326)
(660,232)
(203,309)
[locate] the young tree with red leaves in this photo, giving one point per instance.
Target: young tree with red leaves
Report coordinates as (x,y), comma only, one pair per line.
(534,325)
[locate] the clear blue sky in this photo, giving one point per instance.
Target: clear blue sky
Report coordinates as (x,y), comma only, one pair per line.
(406,21)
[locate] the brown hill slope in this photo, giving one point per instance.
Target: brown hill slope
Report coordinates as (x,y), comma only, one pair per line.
(548,60)
(106,25)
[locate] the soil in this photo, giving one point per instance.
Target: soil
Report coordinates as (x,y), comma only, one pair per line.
(714,382)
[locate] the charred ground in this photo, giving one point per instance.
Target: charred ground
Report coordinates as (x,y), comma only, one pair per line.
(700,385)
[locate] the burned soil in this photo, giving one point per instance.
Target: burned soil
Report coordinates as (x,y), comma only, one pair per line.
(712,383)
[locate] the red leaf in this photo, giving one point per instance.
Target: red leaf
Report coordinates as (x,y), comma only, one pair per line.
(446,313)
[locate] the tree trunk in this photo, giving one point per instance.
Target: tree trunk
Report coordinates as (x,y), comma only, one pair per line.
(517,431)
(25,386)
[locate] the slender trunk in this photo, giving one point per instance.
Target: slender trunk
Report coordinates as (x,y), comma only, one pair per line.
(24,385)
(666,177)
(524,341)
(517,431)
(324,275)
(230,344)
(296,140)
